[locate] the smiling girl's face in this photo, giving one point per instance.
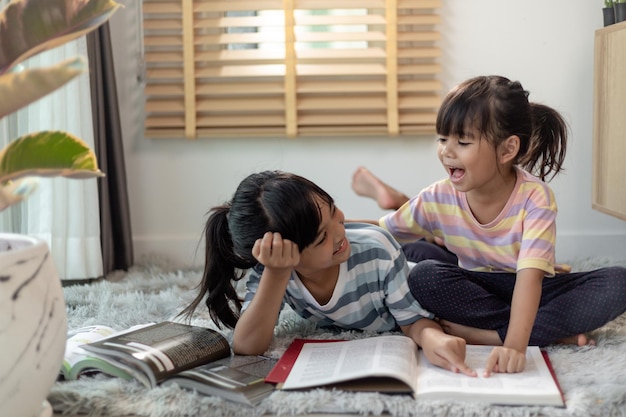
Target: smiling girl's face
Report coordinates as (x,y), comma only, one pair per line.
(330,247)
(470,161)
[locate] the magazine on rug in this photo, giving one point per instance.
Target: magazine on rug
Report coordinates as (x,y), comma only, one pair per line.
(238,378)
(78,361)
(193,357)
(393,364)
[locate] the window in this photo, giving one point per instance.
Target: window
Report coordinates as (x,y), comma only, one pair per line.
(290,67)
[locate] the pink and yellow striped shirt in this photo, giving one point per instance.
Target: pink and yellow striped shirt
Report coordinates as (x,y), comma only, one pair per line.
(522,236)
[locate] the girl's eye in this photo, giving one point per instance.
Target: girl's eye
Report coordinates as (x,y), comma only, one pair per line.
(441,140)
(321,240)
(463,143)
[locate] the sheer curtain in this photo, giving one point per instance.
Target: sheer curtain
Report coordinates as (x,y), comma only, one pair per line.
(62,211)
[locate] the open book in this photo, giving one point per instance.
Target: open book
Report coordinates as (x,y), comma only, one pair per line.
(193,357)
(393,364)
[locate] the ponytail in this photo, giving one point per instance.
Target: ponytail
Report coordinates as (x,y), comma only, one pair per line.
(547,144)
(221,269)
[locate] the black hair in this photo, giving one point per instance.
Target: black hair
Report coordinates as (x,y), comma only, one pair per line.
(268,201)
(497,108)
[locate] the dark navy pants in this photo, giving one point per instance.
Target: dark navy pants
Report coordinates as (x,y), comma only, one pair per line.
(571,303)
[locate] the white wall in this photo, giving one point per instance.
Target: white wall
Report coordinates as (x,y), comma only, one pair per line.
(547,45)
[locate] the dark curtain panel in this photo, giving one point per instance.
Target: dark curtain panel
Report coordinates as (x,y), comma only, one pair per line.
(115,230)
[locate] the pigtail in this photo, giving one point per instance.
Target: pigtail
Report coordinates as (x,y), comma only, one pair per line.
(548,143)
(221,268)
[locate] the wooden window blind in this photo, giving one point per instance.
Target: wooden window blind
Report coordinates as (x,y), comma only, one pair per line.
(290,67)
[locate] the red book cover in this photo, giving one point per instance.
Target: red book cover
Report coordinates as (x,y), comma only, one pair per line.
(556,381)
(281,370)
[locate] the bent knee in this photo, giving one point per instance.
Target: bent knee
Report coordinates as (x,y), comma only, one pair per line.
(424,277)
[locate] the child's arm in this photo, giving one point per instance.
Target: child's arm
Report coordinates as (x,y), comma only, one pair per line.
(441,349)
(511,357)
(255,328)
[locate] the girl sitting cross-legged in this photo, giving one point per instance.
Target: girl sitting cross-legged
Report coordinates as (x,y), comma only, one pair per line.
(494,281)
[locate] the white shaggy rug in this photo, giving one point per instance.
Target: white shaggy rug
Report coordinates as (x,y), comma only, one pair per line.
(593,378)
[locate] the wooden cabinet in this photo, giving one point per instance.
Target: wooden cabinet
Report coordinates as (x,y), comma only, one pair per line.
(609,121)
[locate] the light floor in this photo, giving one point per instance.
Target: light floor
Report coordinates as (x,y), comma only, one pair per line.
(308,415)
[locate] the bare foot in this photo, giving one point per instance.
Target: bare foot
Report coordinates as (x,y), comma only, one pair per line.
(366,184)
(578,340)
(472,335)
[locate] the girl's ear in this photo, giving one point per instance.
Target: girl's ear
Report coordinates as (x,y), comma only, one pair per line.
(508,149)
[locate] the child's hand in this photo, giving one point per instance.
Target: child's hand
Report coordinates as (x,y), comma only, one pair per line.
(449,353)
(443,350)
(505,360)
(436,240)
(274,252)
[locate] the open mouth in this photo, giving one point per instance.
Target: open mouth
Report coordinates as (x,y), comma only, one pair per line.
(456,173)
(341,247)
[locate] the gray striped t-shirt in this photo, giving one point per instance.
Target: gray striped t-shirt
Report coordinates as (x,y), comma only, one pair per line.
(371,293)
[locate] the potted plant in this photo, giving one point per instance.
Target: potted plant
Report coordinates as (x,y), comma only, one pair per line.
(620,10)
(608,13)
(33,322)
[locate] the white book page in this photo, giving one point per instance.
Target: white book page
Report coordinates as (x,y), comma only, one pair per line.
(534,383)
(74,352)
(76,338)
(327,363)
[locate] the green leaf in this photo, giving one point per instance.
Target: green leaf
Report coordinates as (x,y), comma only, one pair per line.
(28,27)
(48,154)
(29,85)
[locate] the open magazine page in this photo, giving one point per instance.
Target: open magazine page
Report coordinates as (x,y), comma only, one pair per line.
(328,363)
(74,353)
(532,386)
(238,378)
(78,361)
(163,349)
